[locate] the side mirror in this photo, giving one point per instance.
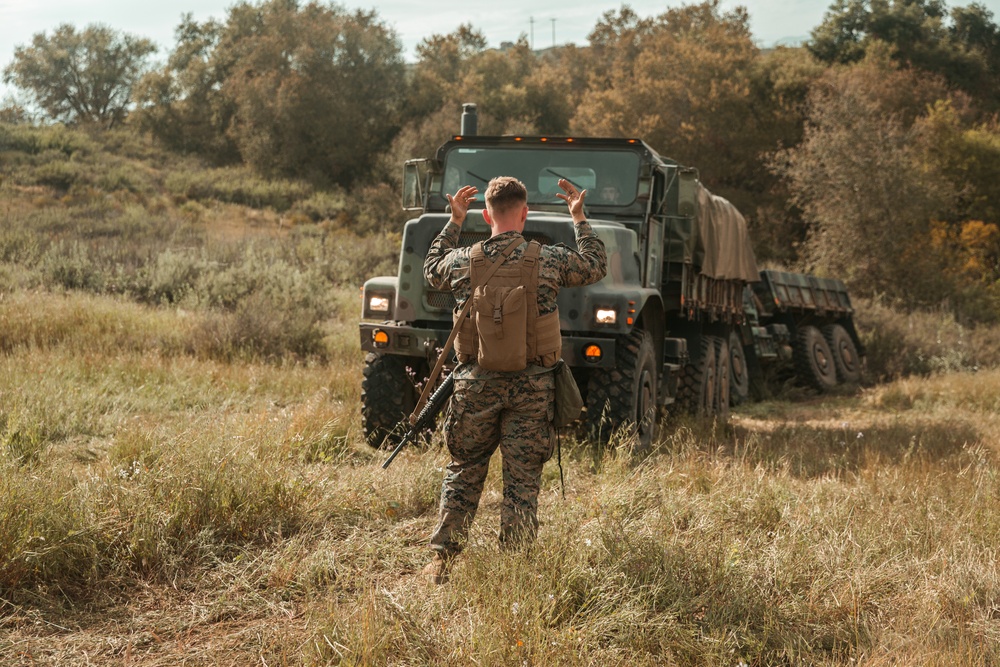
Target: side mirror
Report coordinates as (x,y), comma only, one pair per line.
(687,192)
(415,174)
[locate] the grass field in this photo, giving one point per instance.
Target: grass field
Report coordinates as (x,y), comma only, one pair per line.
(183,479)
(160,505)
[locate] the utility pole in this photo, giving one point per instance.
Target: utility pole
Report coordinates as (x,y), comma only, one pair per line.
(553,32)
(531,20)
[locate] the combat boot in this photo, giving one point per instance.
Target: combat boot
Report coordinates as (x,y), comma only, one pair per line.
(438,569)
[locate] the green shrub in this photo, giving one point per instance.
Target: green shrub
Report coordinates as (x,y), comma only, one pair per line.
(900,343)
(351,259)
(322,205)
(375,209)
(169,278)
(36,140)
(69,265)
(237,185)
(61,175)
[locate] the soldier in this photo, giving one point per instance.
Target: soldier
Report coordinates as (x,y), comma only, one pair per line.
(509,409)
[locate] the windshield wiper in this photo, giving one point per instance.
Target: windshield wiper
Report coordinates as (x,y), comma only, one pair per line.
(474,175)
(571,182)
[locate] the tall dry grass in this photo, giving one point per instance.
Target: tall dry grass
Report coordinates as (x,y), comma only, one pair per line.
(183,478)
(859,530)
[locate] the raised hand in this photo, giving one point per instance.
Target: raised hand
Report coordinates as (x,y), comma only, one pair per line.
(460,202)
(573,199)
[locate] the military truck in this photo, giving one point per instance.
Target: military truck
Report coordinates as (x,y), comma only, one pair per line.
(655,331)
(798,323)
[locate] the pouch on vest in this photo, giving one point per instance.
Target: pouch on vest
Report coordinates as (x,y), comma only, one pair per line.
(501,316)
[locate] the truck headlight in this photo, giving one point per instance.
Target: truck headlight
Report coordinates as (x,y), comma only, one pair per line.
(606,316)
(378,303)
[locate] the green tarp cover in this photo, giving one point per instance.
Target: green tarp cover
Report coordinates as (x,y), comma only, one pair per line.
(725,241)
(716,241)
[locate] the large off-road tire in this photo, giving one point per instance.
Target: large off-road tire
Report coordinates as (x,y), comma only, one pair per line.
(626,394)
(739,371)
(720,405)
(696,389)
(388,396)
(814,363)
(845,353)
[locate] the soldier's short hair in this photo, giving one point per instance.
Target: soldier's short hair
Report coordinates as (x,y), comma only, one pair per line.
(504,193)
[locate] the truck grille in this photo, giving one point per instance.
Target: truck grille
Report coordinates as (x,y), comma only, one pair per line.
(438,300)
(467,239)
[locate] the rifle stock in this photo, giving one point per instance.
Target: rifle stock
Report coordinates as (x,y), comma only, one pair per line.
(434,405)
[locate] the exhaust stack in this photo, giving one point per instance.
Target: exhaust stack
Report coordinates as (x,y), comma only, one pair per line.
(470,120)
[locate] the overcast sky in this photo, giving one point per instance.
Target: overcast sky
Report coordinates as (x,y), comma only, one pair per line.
(771,21)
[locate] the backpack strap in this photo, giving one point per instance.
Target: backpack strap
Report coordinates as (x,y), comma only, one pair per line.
(477,264)
(529,267)
(432,378)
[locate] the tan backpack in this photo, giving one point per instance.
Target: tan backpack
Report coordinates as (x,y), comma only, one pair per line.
(504,309)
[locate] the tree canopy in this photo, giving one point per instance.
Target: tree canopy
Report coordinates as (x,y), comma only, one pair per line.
(300,90)
(962,45)
(84,76)
(871,153)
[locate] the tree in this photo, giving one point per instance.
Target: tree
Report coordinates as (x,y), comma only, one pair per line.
(963,47)
(299,90)
(687,82)
(84,77)
(859,178)
(181,104)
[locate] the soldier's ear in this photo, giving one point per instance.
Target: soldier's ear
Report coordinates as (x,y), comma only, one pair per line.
(487,217)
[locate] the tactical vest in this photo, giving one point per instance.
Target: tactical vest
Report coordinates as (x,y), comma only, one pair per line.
(503,330)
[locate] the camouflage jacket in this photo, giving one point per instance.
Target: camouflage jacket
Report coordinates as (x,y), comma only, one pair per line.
(447,267)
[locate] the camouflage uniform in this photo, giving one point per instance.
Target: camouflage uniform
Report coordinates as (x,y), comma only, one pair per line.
(509,410)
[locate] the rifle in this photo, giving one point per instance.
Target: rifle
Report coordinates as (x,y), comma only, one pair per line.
(433,406)
(429,407)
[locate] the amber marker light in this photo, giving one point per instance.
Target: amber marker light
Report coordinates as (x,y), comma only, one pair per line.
(592,353)
(569,140)
(380,338)
(517,138)
(544,139)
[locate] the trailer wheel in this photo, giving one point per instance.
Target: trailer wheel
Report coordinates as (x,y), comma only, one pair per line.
(626,394)
(739,371)
(697,382)
(388,396)
(814,362)
(720,404)
(845,354)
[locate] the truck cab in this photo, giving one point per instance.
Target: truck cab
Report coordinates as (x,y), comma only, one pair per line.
(626,338)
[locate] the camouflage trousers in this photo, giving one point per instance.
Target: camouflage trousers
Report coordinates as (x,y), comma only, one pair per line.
(512,413)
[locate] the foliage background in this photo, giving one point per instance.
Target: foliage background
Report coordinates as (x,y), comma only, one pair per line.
(181,471)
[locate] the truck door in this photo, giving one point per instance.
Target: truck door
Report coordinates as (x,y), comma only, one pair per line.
(656,217)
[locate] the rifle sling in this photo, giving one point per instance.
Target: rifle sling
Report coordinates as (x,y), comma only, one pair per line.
(432,378)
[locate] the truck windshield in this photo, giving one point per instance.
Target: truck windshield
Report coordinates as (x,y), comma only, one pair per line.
(609,176)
